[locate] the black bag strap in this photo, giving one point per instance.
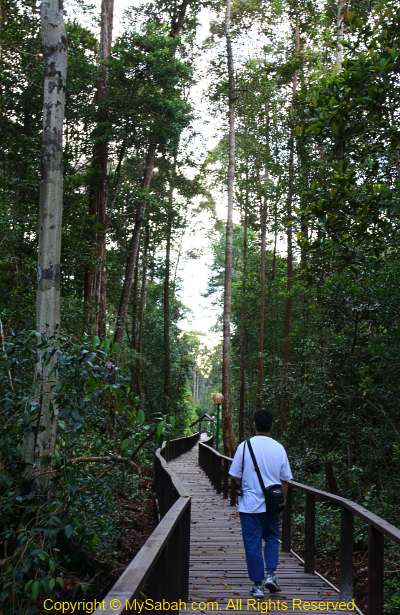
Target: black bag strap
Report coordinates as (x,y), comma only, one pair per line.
(257,469)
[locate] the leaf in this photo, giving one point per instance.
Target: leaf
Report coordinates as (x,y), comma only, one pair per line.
(140,417)
(159,430)
(60,582)
(35,589)
(62,425)
(125,444)
(68,531)
(115,348)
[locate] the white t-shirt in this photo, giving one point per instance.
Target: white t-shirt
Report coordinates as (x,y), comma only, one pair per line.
(274,467)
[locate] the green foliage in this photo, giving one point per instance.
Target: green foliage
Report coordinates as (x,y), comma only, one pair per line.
(97,420)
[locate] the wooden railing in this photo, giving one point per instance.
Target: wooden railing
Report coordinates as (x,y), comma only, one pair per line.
(160,570)
(174,448)
(216,467)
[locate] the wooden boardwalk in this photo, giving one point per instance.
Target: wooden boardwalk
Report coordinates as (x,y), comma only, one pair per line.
(218,573)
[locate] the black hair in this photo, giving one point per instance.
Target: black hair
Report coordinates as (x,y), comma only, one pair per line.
(263,420)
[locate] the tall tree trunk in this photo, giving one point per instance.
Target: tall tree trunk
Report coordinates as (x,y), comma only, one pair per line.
(141,314)
(40,441)
(263,266)
(263,295)
(134,310)
(287,320)
(341,7)
(95,283)
(166,311)
(272,276)
(177,23)
(133,248)
(228,435)
(243,319)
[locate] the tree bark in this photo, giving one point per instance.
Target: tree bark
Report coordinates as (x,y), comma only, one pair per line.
(272,275)
(263,294)
(134,310)
(141,315)
(228,435)
(40,441)
(243,320)
(95,284)
(287,320)
(341,7)
(263,266)
(166,310)
(133,248)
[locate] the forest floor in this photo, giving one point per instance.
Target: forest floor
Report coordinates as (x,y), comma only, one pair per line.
(135,521)
(330,569)
(329,566)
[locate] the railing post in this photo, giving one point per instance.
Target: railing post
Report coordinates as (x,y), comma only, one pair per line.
(213,470)
(185,553)
(375,571)
(309,534)
(225,478)
(218,478)
(178,581)
(287,522)
(233,492)
(161,573)
(346,555)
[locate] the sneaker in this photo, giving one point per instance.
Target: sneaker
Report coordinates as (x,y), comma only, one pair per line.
(271,583)
(257,591)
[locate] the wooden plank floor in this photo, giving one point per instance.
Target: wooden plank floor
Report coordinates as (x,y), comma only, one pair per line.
(218,571)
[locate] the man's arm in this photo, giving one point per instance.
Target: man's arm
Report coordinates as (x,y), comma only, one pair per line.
(235,471)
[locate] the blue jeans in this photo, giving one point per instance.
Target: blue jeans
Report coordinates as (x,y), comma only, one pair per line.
(257,527)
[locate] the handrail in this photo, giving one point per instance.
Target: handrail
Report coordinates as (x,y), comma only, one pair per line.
(216,467)
(178,446)
(371,518)
(150,572)
(200,419)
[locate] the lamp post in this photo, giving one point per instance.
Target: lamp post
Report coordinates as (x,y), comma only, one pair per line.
(218,400)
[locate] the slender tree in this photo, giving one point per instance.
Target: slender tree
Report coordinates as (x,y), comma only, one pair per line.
(41,438)
(167,297)
(95,279)
(141,314)
(243,312)
(263,268)
(341,7)
(228,435)
(287,319)
(133,248)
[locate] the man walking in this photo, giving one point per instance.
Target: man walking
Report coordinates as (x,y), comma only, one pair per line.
(258,523)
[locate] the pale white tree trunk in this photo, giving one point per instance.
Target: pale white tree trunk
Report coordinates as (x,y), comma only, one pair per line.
(341,7)
(40,440)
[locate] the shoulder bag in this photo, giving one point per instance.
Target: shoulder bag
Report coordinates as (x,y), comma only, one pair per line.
(274,496)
